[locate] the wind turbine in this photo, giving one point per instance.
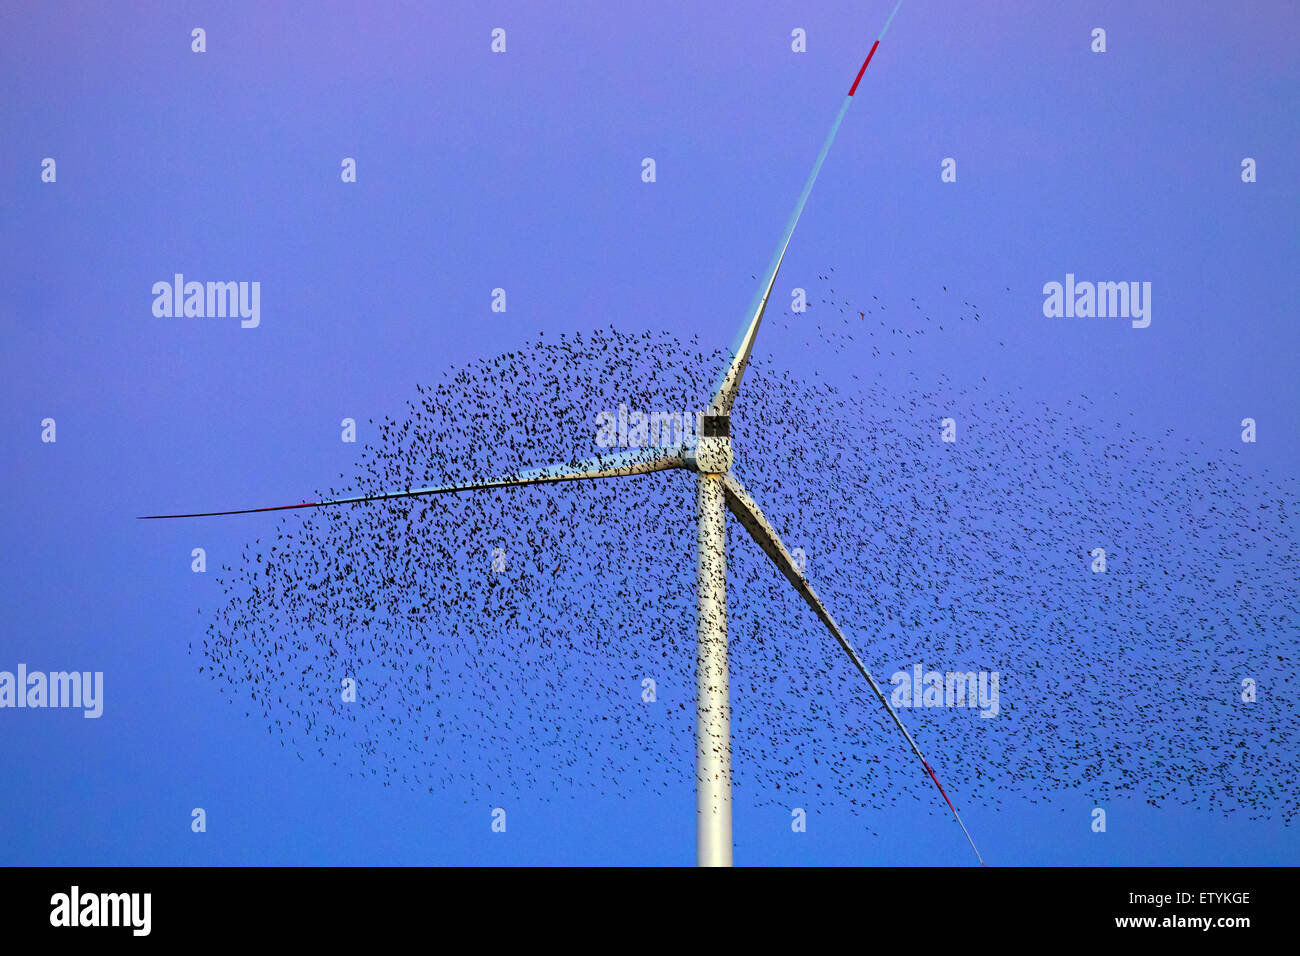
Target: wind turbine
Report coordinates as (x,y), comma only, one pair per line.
(710,456)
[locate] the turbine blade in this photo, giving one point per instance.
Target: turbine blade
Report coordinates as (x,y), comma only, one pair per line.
(760,529)
(729,383)
(638,462)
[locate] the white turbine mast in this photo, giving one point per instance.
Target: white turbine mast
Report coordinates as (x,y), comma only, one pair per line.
(718,489)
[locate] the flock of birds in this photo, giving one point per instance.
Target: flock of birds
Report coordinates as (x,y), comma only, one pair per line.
(885,333)
(508,639)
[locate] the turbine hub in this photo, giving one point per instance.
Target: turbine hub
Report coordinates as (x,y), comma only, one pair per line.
(712,452)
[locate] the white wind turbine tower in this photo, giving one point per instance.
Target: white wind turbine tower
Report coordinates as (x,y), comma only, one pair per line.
(718,489)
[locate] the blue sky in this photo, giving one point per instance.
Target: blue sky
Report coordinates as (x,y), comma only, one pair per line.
(522,171)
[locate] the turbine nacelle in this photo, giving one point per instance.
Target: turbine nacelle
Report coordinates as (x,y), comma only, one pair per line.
(711,454)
